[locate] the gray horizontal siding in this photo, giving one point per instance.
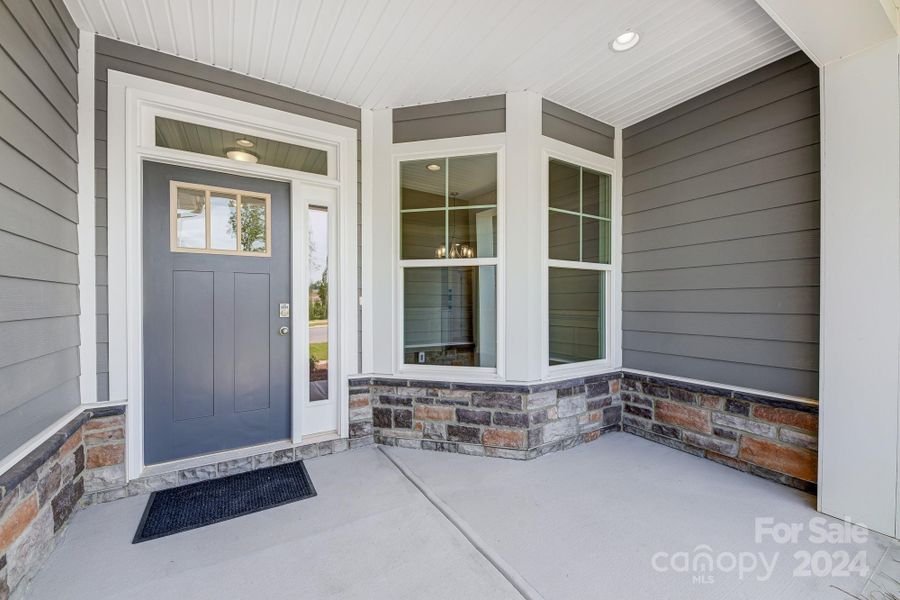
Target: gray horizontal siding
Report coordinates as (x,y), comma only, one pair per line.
(457,118)
(118,56)
(721,234)
(566,125)
(38,232)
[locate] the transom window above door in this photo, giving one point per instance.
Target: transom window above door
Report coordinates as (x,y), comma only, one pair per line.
(214,220)
(191,137)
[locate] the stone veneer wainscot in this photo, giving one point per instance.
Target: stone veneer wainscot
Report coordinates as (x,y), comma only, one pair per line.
(507,421)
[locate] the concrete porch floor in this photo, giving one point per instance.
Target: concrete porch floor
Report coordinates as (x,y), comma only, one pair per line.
(584,523)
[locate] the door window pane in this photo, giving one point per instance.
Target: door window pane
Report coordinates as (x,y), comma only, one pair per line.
(254,226)
(449,316)
(223,221)
(180,135)
(318,303)
(190,218)
(577,300)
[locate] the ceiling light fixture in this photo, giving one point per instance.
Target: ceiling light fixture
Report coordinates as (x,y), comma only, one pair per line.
(244,143)
(241,155)
(433,167)
(625,41)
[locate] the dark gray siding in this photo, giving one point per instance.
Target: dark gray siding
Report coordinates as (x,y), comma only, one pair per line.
(566,125)
(721,234)
(38,230)
(456,118)
(127,58)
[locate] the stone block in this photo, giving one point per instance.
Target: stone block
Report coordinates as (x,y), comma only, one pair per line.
(105,455)
(727,434)
(570,391)
(232,467)
(280,457)
(325,448)
(796,438)
(164,481)
(361,442)
(632,398)
(105,423)
(737,407)
(16,521)
(433,431)
(403,418)
(711,402)
(464,433)
(438,446)
(542,399)
(360,429)
(736,422)
(31,549)
(104,478)
(600,388)
(535,437)
(508,419)
(720,446)
(48,482)
(473,417)
(360,414)
(307,451)
(614,386)
(65,502)
(639,411)
(788,460)
(561,429)
(470,449)
(382,417)
(537,417)
(571,405)
(505,438)
(684,396)
(433,413)
(655,390)
(783,416)
(386,400)
(612,415)
(104,435)
(599,403)
(666,430)
(195,474)
(497,452)
(498,400)
(682,415)
(340,445)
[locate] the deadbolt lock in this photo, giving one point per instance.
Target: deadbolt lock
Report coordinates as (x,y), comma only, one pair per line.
(283,330)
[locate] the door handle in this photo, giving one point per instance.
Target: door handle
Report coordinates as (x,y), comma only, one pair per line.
(283,330)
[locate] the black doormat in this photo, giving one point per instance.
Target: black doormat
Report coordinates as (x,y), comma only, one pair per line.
(198,504)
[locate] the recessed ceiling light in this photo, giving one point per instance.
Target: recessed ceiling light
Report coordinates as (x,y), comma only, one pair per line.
(625,41)
(433,167)
(244,142)
(242,155)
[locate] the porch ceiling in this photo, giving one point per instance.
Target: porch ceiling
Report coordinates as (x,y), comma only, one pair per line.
(389,53)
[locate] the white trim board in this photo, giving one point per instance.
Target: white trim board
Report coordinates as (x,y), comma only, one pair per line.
(87,232)
(133,103)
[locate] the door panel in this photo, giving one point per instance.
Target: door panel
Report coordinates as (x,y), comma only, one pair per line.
(216,370)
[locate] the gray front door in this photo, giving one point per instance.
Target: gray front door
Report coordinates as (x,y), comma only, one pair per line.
(216,366)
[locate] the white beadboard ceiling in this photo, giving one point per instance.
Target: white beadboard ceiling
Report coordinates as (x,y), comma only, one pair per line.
(390,53)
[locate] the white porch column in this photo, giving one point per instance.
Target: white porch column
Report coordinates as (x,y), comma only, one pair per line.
(523,237)
(380,223)
(860,308)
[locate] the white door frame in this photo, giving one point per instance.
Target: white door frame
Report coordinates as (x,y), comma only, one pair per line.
(133,103)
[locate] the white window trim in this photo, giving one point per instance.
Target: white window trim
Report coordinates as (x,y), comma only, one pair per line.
(133,103)
(555,149)
(436,149)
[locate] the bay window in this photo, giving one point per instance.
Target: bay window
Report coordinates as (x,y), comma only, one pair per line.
(448,260)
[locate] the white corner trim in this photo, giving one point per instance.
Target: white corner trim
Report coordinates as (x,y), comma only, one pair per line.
(367,162)
(87,234)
